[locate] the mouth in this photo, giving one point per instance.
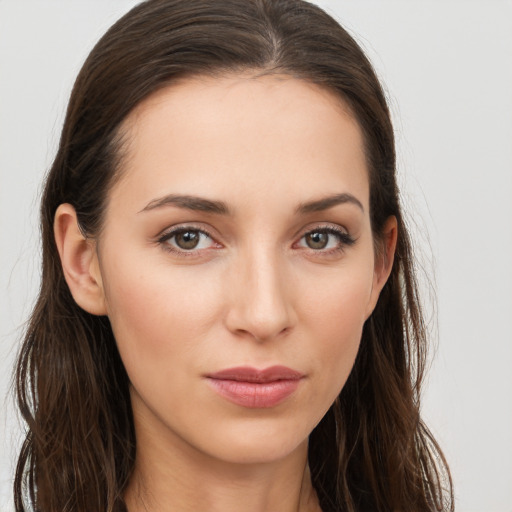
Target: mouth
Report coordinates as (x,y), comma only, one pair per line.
(253,388)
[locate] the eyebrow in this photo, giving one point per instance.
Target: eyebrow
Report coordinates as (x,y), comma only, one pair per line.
(328,202)
(201,204)
(194,203)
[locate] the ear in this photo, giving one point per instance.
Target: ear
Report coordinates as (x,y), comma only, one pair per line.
(383,261)
(79,261)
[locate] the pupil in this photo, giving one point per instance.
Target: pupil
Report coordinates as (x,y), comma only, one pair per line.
(317,240)
(187,240)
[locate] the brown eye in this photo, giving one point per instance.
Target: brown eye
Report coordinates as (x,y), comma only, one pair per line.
(183,240)
(326,240)
(317,240)
(187,240)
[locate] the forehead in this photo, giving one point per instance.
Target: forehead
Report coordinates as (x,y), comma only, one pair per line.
(244,136)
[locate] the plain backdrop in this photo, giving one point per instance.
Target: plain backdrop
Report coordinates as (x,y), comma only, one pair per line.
(447,68)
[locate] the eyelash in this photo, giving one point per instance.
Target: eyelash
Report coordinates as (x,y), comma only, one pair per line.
(165,237)
(344,240)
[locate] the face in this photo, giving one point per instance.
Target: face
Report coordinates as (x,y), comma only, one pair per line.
(237,262)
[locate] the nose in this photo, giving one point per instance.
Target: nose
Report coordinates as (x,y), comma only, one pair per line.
(259,305)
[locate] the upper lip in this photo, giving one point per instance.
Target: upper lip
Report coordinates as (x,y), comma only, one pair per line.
(249,374)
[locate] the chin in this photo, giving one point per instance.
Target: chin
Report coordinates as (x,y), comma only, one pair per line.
(258,443)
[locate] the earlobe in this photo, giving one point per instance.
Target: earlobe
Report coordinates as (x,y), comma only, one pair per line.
(383,261)
(79,261)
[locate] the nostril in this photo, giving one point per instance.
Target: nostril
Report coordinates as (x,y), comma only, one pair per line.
(260,324)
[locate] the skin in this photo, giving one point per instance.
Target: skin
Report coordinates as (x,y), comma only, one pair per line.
(253,292)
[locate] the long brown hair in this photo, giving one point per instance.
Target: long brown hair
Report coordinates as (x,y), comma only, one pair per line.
(371,451)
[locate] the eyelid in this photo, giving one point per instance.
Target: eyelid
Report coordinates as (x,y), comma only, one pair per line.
(344,237)
(169,233)
(322,226)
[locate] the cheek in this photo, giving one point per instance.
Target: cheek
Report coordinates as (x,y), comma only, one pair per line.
(157,315)
(336,321)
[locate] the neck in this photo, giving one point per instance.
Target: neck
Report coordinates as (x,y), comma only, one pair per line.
(173,476)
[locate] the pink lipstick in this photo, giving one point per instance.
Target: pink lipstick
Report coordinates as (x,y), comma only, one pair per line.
(253,388)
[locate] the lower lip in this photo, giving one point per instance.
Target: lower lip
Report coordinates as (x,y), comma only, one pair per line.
(255,395)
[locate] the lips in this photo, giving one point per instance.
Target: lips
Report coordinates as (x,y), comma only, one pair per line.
(253,388)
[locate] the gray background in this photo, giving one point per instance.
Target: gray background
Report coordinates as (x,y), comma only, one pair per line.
(447,66)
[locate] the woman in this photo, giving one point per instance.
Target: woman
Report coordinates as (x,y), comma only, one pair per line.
(228,316)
